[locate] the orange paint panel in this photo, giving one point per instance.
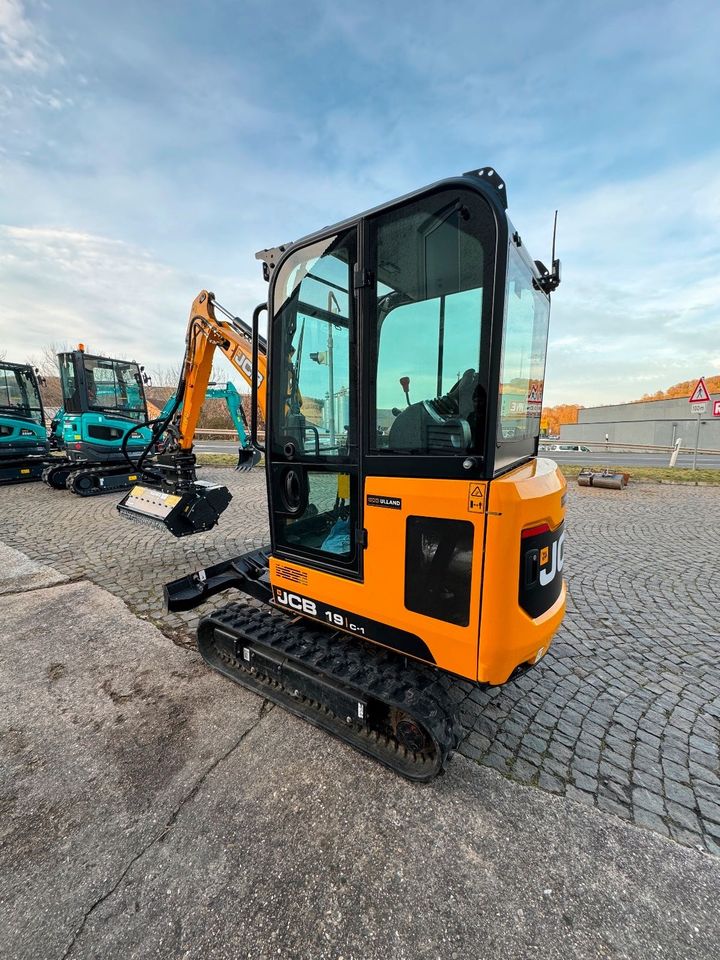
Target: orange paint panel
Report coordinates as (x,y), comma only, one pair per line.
(381,596)
(525,498)
(500,635)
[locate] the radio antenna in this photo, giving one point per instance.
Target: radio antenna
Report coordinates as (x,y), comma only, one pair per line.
(549,280)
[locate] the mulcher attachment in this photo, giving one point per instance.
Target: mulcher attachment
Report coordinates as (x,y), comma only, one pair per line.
(386,707)
(183,513)
(170,497)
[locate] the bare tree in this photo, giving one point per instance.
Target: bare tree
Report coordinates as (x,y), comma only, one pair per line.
(166,376)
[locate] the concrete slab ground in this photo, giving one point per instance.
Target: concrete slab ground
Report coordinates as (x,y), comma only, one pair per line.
(151,808)
(18,572)
(624,712)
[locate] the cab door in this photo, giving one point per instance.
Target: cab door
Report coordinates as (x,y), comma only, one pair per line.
(313,430)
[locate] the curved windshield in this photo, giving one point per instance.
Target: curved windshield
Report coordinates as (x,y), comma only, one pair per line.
(19,394)
(115,386)
(313,321)
(525,333)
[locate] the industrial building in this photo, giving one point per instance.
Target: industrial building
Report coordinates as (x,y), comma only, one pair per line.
(659,422)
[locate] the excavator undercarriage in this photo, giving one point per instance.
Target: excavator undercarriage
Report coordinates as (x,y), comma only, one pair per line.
(386,706)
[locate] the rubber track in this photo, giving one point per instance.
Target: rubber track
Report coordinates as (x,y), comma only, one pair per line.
(99,471)
(55,468)
(370,671)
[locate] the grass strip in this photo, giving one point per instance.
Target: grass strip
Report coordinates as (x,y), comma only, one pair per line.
(648,474)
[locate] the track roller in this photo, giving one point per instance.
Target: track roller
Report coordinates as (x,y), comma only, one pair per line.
(84,483)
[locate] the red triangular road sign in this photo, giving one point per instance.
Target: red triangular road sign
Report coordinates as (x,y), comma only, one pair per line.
(700,393)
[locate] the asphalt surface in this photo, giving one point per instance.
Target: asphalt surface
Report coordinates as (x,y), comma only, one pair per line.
(153,809)
(705,461)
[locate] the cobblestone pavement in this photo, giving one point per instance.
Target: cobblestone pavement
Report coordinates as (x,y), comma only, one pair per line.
(623,713)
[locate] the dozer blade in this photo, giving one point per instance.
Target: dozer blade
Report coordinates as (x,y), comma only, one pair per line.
(190,511)
(247,459)
(21,469)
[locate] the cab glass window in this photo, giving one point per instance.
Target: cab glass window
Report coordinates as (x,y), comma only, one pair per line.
(115,386)
(19,394)
(313,316)
(70,392)
(324,521)
(430,262)
(522,370)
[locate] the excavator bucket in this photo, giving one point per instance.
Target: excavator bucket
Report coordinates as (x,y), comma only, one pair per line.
(184,513)
(248,458)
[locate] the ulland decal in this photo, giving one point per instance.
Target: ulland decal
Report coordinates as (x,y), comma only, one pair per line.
(375,500)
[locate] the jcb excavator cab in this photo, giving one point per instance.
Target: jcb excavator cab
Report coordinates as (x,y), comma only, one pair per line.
(408,507)
(407,358)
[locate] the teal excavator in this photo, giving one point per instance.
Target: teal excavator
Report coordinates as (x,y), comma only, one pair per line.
(23,436)
(102,429)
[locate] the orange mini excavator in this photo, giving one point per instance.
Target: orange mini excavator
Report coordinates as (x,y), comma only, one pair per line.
(414,532)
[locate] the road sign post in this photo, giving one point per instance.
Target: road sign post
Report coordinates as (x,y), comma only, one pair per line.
(697,442)
(676,451)
(698,400)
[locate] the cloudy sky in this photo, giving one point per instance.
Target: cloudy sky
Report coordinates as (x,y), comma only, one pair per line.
(148,149)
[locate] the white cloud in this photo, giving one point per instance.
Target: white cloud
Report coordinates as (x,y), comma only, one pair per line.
(21,45)
(62,285)
(639,306)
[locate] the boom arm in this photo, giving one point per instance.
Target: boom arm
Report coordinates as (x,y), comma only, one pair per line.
(174,497)
(207,333)
(228,392)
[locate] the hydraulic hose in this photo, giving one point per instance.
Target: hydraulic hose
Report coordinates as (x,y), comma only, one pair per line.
(158,425)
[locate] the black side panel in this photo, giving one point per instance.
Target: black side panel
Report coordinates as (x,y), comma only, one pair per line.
(393,637)
(438,568)
(98,432)
(541,564)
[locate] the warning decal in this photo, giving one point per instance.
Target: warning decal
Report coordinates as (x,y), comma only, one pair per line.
(476,498)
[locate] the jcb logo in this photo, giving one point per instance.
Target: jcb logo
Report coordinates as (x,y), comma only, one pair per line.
(295,602)
(557,560)
(246,368)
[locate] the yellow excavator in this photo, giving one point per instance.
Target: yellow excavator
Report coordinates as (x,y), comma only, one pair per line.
(414,531)
(169,492)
